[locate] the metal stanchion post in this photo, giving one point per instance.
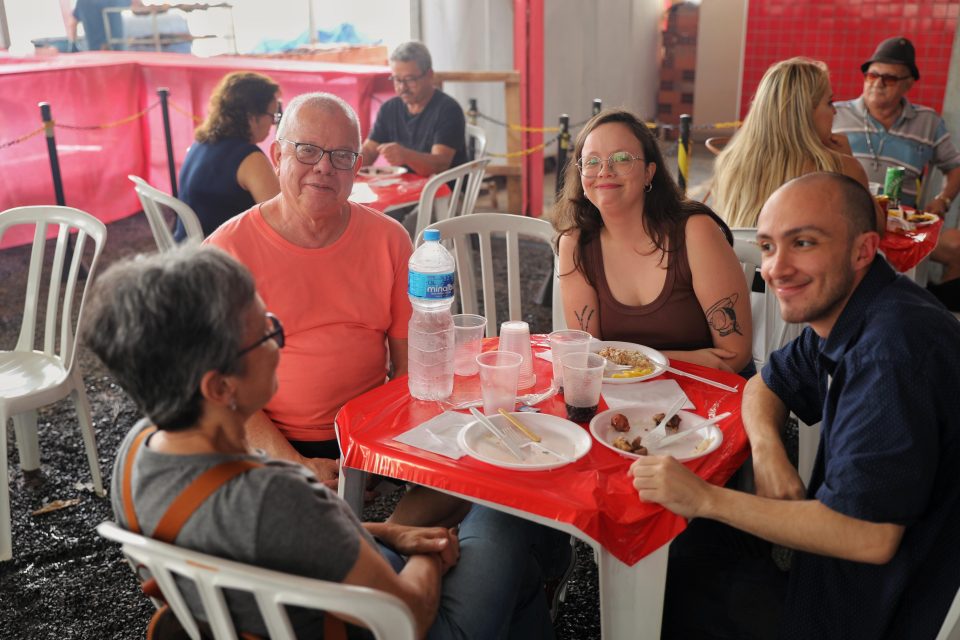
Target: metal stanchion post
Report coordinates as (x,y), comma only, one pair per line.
(164,94)
(683,152)
(563,145)
(52,152)
(597,106)
(472,119)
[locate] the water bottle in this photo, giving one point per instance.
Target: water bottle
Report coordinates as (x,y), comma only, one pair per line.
(430,337)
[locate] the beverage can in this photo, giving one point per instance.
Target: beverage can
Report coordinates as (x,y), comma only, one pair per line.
(893,184)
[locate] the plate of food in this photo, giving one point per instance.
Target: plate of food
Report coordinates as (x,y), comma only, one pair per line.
(382,171)
(629,362)
(624,430)
(561,442)
(921,218)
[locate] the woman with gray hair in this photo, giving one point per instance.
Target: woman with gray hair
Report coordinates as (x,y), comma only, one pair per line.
(189,339)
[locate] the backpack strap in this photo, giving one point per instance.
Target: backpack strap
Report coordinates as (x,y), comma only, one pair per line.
(189,499)
(133,523)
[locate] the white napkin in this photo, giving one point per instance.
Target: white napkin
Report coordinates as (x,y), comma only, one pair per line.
(438,435)
(665,392)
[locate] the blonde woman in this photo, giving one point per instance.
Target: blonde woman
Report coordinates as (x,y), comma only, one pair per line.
(786,134)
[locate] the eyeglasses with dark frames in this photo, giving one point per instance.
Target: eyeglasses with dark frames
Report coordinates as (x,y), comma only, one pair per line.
(408,80)
(275,333)
(312,154)
(619,163)
(887,79)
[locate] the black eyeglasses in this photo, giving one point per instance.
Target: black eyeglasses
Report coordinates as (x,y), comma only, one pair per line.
(887,79)
(312,154)
(275,334)
(407,80)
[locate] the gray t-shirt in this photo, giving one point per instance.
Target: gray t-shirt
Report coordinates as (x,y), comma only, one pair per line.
(277,516)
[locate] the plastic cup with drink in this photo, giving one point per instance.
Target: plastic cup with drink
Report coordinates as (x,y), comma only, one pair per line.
(582,380)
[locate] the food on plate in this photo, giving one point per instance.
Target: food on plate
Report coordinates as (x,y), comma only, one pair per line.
(630,447)
(627,357)
(700,448)
(633,373)
(673,424)
(620,423)
(921,217)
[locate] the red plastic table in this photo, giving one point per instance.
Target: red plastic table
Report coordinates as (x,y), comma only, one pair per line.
(385,193)
(592,498)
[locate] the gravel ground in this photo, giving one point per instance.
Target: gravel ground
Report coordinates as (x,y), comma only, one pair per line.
(67,582)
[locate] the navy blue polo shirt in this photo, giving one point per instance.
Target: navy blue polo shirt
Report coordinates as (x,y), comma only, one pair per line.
(889,452)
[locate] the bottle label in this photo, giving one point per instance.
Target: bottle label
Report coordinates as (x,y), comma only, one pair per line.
(430,286)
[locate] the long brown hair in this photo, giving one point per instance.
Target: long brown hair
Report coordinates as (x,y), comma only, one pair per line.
(238,96)
(665,209)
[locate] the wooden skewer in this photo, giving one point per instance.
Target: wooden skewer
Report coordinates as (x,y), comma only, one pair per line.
(520,425)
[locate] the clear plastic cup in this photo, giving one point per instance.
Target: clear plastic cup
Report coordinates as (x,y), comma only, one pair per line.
(515,337)
(468,331)
(563,342)
(499,372)
(582,380)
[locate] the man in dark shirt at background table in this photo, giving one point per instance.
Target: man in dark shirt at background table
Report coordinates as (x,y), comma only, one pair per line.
(422,128)
(876,531)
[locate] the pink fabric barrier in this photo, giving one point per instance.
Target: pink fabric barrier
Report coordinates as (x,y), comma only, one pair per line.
(89,90)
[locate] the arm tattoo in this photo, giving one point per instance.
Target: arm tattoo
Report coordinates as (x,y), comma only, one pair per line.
(722,317)
(584,317)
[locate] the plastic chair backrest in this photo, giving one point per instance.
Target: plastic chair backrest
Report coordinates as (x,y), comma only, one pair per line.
(484,225)
(951,624)
(57,317)
(476,142)
(384,614)
(466,179)
(155,203)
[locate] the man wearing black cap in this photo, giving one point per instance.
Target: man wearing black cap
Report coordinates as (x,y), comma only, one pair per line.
(886,130)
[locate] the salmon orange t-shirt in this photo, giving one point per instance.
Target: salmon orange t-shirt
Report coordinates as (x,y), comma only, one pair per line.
(337,304)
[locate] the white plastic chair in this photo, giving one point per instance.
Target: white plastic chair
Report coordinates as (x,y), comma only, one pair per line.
(384,614)
(485,225)
(770,334)
(476,141)
(154,203)
(29,377)
(951,624)
(466,178)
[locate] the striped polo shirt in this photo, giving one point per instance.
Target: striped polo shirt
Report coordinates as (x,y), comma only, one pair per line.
(919,137)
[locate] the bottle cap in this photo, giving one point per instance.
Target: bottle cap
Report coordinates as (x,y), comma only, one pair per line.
(431,235)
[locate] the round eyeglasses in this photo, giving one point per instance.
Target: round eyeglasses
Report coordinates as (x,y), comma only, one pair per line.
(619,164)
(312,154)
(275,333)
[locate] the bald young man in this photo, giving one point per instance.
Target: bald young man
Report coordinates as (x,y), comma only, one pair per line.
(876,531)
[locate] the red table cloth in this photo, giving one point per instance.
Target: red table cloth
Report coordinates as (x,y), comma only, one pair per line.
(387,192)
(905,249)
(594,494)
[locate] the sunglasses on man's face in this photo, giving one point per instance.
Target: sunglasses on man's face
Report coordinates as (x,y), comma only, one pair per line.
(887,79)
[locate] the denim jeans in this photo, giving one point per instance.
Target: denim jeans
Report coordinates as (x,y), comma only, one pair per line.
(496,589)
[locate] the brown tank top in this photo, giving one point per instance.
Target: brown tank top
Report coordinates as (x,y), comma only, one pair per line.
(674,320)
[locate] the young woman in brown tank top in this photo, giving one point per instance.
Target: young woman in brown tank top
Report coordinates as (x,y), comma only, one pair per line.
(638,262)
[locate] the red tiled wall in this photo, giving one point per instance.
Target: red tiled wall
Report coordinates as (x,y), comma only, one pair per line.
(843,33)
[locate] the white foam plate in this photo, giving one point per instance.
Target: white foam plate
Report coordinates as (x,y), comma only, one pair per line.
(378,171)
(560,435)
(661,361)
(640,417)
